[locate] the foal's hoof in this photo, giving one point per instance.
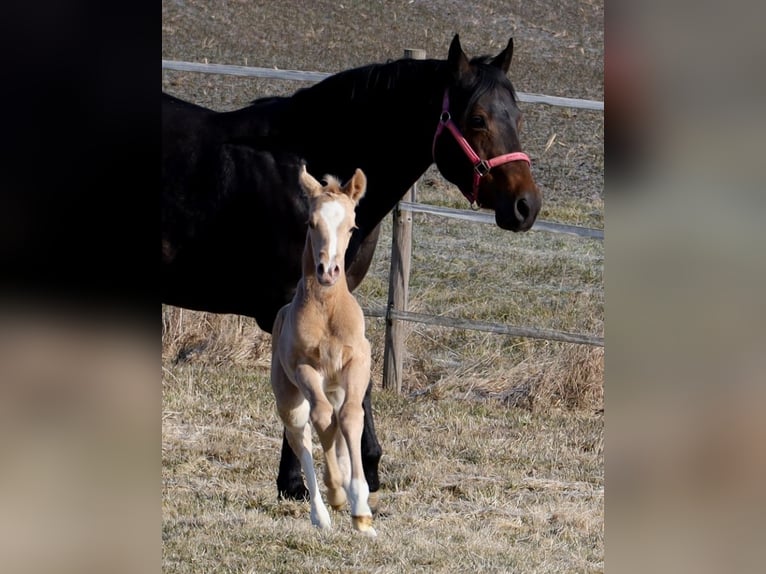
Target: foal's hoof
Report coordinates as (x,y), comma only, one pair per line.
(321,518)
(337,498)
(364,525)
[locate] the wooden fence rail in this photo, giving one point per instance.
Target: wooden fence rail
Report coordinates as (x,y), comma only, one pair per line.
(396,310)
(483,217)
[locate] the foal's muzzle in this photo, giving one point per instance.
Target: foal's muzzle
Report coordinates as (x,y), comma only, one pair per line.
(327,275)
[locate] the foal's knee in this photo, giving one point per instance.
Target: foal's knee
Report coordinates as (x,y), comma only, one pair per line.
(322,416)
(351,416)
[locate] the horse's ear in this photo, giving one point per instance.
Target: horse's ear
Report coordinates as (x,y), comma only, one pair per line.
(503,59)
(311,187)
(356,186)
(458,61)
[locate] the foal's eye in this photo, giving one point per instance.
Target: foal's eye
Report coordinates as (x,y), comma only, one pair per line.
(477,122)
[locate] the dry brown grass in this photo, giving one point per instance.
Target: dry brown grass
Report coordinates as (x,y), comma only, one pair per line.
(208,338)
(467,485)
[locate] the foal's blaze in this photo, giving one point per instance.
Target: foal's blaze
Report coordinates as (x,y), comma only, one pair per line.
(331,221)
(320,364)
(483,105)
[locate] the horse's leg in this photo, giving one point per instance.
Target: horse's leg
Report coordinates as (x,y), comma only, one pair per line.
(289,480)
(371,449)
(295,413)
(358,259)
(351,421)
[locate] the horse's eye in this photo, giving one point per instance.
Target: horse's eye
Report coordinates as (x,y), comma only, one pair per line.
(312,224)
(477,122)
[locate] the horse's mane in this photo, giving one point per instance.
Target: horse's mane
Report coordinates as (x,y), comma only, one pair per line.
(384,77)
(372,79)
(380,79)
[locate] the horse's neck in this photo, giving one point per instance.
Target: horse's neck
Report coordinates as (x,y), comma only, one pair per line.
(388,131)
(392,107)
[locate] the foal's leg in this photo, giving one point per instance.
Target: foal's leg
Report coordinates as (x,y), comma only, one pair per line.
(335,475)
(294,411)
(300,441)
(289,479)
(359,256)
(325,422)
(351,421)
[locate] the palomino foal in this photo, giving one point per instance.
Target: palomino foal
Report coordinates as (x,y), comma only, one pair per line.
(320,363)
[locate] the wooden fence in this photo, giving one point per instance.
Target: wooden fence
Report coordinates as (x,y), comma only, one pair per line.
(396,310)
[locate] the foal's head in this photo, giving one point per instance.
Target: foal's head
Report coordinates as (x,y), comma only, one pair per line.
(331,220)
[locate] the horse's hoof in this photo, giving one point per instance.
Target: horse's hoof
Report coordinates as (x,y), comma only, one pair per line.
(294,492)
(373,499)
(364,525)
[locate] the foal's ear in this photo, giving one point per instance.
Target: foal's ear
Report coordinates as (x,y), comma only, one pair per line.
(356,186)
(503,59)
(311,186)
(458,61)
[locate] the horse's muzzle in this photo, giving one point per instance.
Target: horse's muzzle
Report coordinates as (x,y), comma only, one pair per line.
(519,213)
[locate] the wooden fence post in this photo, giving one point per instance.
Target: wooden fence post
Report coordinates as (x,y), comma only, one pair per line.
(398,280)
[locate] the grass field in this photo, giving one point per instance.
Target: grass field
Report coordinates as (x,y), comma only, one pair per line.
(467,485)
(493,453)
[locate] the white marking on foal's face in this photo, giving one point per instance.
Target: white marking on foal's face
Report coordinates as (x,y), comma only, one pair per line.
(333,214)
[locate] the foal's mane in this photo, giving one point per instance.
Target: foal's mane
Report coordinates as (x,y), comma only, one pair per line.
(332,185)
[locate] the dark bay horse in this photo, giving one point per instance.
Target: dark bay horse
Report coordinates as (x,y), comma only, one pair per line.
(234,217)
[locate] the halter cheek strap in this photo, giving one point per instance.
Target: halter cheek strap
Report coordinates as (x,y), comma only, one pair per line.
(481,167)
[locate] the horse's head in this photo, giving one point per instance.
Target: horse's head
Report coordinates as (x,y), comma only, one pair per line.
(476,145)
(331,220)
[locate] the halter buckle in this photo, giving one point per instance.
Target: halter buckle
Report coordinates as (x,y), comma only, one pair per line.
(482,168)
(444,117)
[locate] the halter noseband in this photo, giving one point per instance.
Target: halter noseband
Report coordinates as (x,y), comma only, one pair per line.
(481,167)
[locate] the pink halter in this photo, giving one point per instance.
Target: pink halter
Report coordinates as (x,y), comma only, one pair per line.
(481,167)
